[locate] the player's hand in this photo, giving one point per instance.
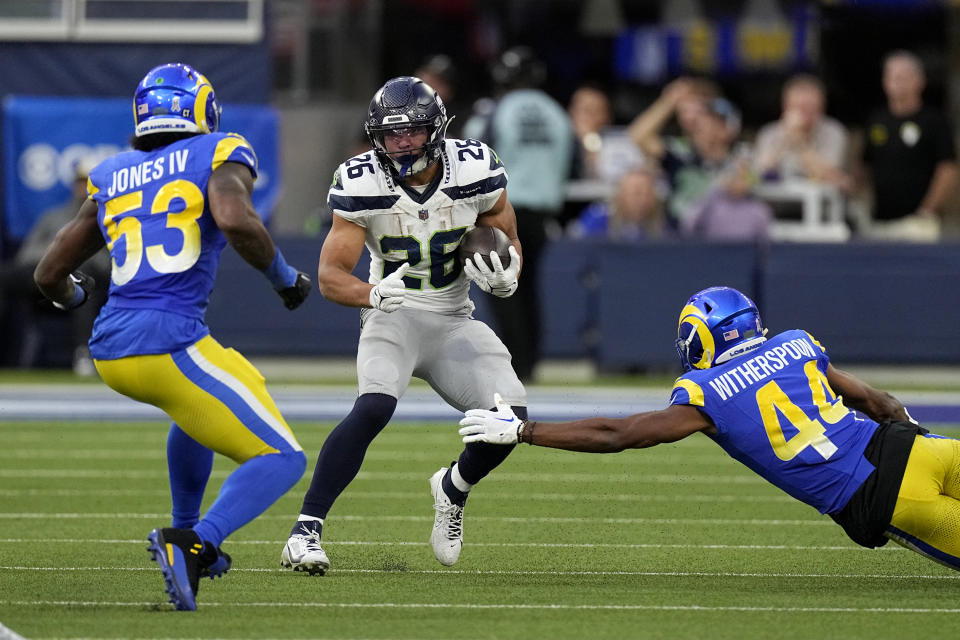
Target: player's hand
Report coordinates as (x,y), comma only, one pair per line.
(294,295)
(389,294)
(496,427)
(498,281)
(82,286)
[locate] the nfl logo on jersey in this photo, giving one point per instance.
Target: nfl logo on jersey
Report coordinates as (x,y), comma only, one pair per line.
(424,214)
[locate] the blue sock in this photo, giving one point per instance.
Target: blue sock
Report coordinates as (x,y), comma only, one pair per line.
(343,451)
(189,464)
(249,491)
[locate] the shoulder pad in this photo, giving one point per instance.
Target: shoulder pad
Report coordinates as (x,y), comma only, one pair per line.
(233,147)
(359,186)
(472,160)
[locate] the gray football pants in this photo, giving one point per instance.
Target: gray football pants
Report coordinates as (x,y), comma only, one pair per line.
(462,359)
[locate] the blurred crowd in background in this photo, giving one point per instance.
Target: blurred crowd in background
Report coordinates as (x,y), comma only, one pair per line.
(732,120)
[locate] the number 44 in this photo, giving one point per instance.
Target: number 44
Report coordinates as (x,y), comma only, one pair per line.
(773,402)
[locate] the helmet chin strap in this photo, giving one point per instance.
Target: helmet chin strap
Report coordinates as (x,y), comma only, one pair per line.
(404,163)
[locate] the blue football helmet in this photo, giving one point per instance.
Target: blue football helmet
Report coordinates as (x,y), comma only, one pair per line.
(716,325)
(175,98)
(403,103)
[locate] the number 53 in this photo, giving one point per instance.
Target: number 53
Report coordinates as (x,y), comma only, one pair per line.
(129,228)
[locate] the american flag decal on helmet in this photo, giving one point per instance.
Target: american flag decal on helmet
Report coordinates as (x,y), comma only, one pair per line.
(424,214)
(730,335)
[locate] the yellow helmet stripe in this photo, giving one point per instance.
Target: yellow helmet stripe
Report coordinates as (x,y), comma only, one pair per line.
(695,317)
(200,107)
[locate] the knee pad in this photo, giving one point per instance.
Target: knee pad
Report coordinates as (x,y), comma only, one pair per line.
(374,407)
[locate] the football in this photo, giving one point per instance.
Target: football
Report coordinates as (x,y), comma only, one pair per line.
(485,240)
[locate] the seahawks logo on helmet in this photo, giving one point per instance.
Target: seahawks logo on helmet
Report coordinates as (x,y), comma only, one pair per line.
(403,103)
(717,325)
(175,98)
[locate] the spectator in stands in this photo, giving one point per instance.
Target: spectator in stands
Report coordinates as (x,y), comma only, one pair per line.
(534,138)
(683,100)
(910,155)
(633,213)
(710,180)
(804,143)
(590,113)
(730,212)
(16,277)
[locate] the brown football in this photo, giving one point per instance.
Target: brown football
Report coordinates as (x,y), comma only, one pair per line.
(485,240)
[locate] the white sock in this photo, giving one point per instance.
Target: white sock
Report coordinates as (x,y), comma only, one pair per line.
(458,480)
(305,518)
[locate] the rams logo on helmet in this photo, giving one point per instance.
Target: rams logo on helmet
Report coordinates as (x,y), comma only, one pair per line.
(716,325)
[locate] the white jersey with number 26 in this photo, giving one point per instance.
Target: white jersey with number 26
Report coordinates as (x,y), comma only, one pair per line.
(423,225)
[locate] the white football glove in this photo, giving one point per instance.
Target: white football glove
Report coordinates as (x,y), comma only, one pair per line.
(388,295)
(499,282)
(496,427)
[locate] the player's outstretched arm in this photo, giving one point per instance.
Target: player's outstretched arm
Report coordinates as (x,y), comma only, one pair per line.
(591,435)
(77,241)
(228,192)
(876,404)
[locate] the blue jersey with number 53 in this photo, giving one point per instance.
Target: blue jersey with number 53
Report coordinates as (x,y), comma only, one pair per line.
(775,412)
(163,240)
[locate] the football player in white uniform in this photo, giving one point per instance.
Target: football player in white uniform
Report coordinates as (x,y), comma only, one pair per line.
(411,200)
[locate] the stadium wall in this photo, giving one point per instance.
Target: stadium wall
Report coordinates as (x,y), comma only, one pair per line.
(617,304)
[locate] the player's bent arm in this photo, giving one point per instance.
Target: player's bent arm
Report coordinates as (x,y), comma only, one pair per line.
(610,435)
(228,193)
(876,404)
(339,255)
(76,242)
(502,216)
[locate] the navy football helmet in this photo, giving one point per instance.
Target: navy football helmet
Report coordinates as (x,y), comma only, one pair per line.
(403,103)
(716,325)
(175,98)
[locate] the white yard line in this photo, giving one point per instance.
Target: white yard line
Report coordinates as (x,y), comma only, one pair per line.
(738,522)
(487,572)
(497,605)
(533,545)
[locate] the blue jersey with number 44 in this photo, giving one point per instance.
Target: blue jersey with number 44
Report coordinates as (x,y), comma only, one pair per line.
(163,240)
(775,412)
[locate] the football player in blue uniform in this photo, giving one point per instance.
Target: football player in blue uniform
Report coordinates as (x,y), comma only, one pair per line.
(781,408)
(165,210)
(410,201)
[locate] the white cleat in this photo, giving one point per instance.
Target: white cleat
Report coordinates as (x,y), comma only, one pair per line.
(304,553)
(447,535)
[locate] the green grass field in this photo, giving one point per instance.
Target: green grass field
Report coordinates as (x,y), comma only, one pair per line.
(673,542)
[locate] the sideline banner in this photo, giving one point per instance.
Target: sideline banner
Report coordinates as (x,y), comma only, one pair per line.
(45,137)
